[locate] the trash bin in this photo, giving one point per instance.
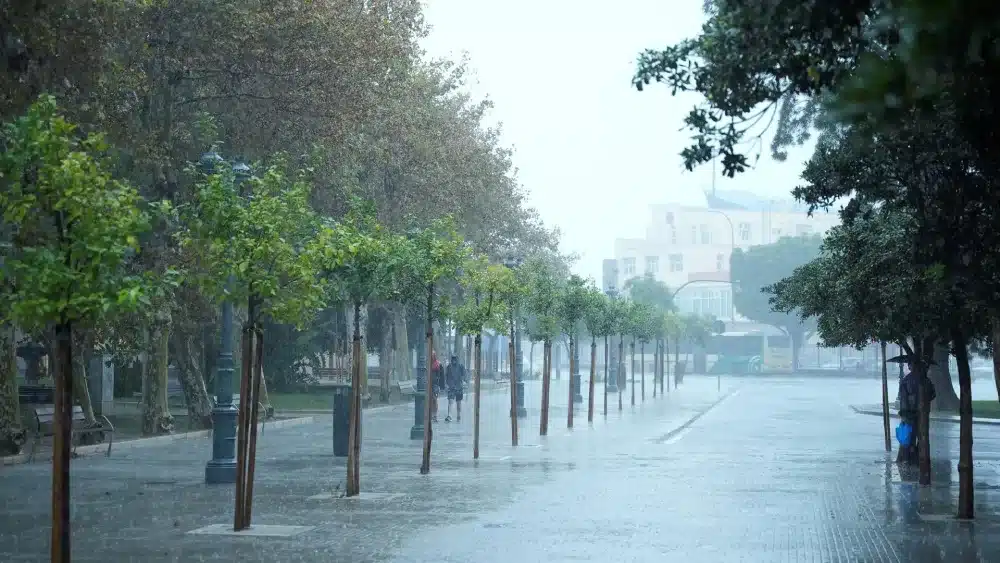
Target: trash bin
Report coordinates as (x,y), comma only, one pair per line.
(341,418)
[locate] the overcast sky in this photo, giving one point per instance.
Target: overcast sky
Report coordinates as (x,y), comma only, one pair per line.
(592,151)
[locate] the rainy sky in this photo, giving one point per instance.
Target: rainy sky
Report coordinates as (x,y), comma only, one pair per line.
(593,152)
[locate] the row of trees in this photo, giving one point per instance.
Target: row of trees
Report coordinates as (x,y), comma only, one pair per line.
(366,117)
(901,94)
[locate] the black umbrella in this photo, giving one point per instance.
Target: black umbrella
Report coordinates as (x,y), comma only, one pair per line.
(906,359)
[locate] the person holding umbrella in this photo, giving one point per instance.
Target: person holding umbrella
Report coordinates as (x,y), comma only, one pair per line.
(909,410)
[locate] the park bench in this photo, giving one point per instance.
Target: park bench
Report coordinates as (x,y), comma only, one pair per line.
(174,390)
(407,388)
(44,427)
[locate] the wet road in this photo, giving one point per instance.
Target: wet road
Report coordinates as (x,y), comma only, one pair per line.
(767,470)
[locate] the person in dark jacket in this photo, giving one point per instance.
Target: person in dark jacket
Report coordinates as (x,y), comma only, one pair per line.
(437,384)
(455,381)
(909,411)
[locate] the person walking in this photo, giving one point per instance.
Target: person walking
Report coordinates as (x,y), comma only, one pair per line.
(909,411)
(455,380)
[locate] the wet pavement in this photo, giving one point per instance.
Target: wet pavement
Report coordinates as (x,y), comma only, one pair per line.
(765,470)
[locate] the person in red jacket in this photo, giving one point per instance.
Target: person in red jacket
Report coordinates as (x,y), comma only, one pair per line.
(437,384)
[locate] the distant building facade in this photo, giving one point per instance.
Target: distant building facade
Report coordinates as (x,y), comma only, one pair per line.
(690,246)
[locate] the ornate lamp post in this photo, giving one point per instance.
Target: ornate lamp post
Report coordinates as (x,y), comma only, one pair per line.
(222,467)
(515,262)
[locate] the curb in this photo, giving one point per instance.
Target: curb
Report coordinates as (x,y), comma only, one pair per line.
(936,417)
(153,441)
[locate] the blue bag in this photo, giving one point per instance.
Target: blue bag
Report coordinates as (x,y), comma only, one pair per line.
(904,434)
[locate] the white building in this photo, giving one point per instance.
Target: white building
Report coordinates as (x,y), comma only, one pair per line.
(688,247)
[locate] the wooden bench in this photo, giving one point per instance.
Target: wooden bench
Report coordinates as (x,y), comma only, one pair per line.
(44,427)
(407,388)
(264,414)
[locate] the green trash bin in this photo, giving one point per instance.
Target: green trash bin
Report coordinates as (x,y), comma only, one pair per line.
(341,418)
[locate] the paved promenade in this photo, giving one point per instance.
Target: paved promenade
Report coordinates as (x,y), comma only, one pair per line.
(765,470)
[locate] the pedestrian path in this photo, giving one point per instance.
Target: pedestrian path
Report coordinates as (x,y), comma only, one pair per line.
(142,504)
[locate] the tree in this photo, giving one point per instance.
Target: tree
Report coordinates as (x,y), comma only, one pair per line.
(544,285)
(262,250)
(763,265)
(650,291)
(69,226)
(574,300)
(647,320)
(361,258)
(596,319)
(485,285)
(753,61)
(862,289)
(513,295)
(438,254)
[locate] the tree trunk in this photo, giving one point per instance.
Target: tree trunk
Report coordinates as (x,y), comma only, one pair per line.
(966,498)
(531,358)
(621,371)
(425,463)
(924,352)
(353,486)
(593,377)
(940,376)
(477,375)
(189,354)
(459,349)
(572,368)
(642,370)
(632,369)
(885,400)
(665,368)
(514,375)
(543,423)
(83,343)
(607,362)
(385,363)
(12,434)
(156,417)
(62,424)
(996,355)
(362,322)
(795,339)
(401,353)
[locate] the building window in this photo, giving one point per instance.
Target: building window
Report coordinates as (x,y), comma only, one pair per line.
(801,230)
(628,266)
(673,235)
(694,234)
(706,235)
(652,264)
(719,259)
(670,218)
(745,232)
(676,262)
(775,233)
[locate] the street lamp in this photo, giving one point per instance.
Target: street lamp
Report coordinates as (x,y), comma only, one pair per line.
(732,250)
(420,394)
(611,378)
(515,262)
(222,467)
